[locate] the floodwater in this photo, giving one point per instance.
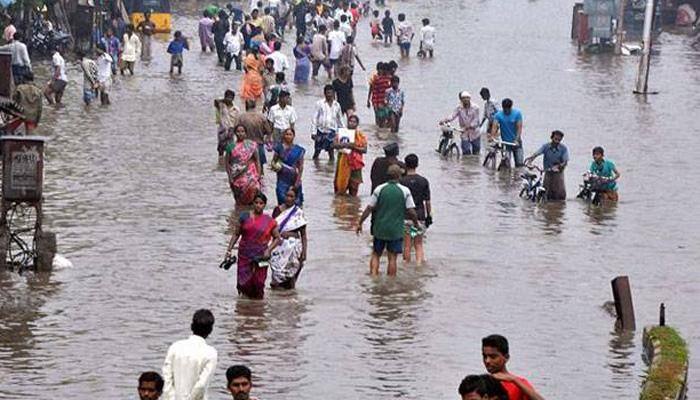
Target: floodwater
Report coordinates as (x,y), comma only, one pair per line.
(142,211)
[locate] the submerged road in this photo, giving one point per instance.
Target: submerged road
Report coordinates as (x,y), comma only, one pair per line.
(141,209)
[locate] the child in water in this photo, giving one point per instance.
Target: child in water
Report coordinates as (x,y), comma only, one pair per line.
(375,27)
(175,49)
(395,102)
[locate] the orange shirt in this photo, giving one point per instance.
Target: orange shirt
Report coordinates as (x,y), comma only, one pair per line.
(514,392)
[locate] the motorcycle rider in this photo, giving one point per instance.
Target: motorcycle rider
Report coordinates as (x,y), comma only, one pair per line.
(605,169)
(468,117)
(555,156)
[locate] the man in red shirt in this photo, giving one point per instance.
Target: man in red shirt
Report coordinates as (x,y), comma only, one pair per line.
(494,349)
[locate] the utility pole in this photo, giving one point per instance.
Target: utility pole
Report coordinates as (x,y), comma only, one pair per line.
(620,31)
(643,72)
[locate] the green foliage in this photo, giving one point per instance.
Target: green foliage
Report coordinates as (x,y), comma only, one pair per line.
(666,376)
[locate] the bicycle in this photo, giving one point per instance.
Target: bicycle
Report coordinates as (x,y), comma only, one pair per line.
(495,147)
(447,147)
(593,187)
(532,187)
(20,254)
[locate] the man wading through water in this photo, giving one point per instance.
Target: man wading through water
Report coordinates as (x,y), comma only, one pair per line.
(388,205)
(146,28)
(555,156)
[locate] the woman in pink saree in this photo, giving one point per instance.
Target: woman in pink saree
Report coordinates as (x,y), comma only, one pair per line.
(259,237)
(243,167)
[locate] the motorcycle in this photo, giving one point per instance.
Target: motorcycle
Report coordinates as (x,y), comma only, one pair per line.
(447,147)
(45,39)
(532,187)
(495,147)
(593,187)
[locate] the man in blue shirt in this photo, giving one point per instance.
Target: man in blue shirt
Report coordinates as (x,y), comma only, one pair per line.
(606,169)
(509,121)
(555,156)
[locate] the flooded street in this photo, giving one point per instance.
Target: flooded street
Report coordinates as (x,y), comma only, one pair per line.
(141,209)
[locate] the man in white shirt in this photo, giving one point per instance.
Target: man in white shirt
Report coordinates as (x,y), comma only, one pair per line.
(404,35)
(281,61)
(282,116)
(427,38)
(232,43)
(104,73)
(59,80)
(345,26)
(190,363)
(21,64)
(336,39)
(342,10)
(328,118)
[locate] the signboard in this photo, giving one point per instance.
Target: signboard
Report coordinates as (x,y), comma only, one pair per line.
(22,168)
(346,136)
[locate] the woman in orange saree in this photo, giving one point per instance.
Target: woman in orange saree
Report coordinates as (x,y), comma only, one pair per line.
(252,84)
(348,172)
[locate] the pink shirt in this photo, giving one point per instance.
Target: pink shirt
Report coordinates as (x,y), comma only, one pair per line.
(9,33)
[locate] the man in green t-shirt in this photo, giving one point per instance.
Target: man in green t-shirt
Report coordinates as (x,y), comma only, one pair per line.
(389,203)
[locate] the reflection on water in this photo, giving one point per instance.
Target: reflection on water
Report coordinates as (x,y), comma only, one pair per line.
(601,217)
(621,358)
(271,331)
(21,298)
(554,217)
(347,212)
(392,320)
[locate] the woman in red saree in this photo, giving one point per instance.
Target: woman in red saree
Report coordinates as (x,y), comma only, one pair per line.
(259,236)
(243,167)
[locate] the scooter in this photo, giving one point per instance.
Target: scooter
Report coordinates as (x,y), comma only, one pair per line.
(593,187)
(495,147)
(532,187)
(447,147)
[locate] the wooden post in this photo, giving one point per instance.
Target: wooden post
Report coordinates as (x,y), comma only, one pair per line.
(643,72)
(620,31)
(662,315)
(624,308)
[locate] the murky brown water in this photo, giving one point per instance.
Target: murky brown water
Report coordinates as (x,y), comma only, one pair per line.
(141,210)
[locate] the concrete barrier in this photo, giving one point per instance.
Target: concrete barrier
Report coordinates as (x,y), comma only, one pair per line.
(667,355)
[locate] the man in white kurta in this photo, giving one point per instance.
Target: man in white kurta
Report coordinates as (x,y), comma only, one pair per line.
(190,363)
